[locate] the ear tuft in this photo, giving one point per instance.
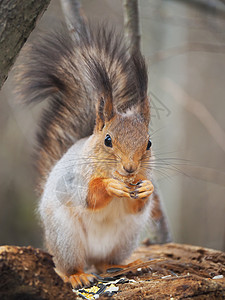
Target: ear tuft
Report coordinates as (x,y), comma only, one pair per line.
(145,110)
(104,112)
(142,86)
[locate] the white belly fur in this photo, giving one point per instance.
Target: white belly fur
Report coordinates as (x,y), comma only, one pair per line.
(113,228)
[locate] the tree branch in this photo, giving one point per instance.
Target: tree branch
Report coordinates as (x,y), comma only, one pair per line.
(72,14)
(176,272)
(17,20)
(131,24)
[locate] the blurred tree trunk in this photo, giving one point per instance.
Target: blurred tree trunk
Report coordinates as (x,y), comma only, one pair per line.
(17,20)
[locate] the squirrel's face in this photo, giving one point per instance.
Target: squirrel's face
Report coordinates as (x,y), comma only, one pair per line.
(122,139)
(126,145)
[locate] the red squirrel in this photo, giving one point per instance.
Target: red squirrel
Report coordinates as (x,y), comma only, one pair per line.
(94,148)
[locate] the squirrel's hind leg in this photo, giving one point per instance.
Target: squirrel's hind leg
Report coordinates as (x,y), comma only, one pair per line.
(78,279)
(134,268)
(109,268)
(81,279)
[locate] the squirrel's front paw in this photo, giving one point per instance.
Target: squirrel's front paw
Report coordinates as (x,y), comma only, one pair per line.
(117,188)
(143,189)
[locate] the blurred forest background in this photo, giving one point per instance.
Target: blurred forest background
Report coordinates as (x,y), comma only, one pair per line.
(184,44)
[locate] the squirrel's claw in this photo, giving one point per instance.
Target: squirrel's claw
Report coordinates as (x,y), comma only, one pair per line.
(117,188)
(144,189)
(81,279)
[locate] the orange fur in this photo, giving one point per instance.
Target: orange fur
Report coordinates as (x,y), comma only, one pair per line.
(97,195)
(78,279)
(136,205)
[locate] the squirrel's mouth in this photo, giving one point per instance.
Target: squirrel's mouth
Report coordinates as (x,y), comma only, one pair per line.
(129,178)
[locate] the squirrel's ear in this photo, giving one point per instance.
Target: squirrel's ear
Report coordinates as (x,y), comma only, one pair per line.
(144,110)
(104,112)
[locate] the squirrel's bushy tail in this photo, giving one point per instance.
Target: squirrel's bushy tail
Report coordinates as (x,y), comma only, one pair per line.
(72,73)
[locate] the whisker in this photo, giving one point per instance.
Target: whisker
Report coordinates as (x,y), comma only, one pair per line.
(156,131)
(164,153)
(161,173)
(159,163)
(155,158)
(90,157)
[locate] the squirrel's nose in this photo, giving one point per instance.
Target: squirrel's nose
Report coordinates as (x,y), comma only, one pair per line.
(130,169)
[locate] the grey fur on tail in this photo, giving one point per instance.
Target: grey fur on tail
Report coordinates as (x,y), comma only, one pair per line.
(73,73)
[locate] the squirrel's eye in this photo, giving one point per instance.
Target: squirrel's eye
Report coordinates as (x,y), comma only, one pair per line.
(108,141)
(149,144)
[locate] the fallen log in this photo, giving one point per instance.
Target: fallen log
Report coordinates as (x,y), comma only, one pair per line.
(170,271)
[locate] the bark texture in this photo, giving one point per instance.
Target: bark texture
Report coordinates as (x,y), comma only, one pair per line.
(28,273)
(178,272)
(17,20)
